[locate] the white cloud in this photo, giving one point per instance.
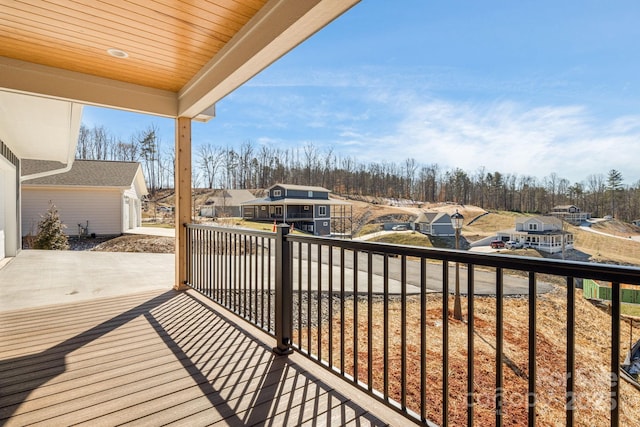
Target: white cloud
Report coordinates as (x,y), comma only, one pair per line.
(440,115)
(509,138)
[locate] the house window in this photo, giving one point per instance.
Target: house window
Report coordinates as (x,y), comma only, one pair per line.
(278,210)
(322,211)
(533,227)
(277,193)
(310,194)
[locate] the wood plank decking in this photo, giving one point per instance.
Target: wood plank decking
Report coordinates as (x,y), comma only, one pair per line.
(158,358)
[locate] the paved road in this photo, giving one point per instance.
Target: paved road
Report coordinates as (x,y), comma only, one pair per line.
(485,281)
(333,276)
(626,237)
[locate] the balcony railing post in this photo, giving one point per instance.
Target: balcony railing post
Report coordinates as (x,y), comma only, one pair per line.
(284,292)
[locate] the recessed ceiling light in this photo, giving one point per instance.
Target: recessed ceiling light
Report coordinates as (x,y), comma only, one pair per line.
(117,53)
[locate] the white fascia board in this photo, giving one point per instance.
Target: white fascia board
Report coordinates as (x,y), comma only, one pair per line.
(278,27)
(26,77)
(40,128)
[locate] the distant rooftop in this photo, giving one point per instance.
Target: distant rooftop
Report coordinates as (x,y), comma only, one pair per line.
(89,173)
(300,187)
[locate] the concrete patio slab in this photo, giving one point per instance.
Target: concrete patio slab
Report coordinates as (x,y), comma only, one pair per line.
(36,277)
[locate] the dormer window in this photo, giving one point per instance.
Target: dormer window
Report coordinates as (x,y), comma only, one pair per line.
(277,193)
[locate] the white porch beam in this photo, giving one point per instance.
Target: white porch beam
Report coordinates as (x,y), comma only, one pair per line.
(26,77)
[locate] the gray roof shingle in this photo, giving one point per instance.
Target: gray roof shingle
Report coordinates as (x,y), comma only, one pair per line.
(90,173)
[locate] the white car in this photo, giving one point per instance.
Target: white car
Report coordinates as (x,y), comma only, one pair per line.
(512,244)
(400,227)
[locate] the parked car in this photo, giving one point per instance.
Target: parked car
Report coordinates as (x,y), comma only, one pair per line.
(512,244)
(400,227)
(497,244)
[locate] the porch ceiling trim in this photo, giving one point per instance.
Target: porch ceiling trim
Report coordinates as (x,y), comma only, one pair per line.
(27,77)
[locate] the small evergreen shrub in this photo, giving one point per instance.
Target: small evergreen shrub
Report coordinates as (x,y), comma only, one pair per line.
(50,231)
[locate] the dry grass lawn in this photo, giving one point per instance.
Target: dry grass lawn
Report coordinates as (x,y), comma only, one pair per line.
(592,359)
(606,249)
(489,224)
(412,239)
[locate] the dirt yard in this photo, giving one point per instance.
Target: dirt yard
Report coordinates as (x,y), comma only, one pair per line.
(127,243)
(592,365)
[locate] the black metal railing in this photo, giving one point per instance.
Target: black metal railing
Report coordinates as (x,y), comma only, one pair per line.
(236,269)
(299,215)
(377,316)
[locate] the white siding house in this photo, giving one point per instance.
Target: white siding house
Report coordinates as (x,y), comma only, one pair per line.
(101,197)
(544,233)
(30,128)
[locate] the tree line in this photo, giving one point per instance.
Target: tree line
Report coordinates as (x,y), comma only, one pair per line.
(254,167)
(144,146)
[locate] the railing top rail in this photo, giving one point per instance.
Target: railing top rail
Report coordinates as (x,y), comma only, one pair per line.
(578,269)
(232,230)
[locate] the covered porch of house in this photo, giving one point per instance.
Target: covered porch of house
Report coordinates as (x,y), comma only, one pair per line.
(148,355)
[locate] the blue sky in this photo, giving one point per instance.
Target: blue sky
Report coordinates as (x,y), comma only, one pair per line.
(524,87)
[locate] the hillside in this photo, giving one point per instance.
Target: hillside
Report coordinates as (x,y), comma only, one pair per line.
(607,249)
(370,214)
(592,356)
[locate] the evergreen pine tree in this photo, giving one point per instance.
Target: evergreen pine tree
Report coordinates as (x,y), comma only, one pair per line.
(614,183)
(50,231)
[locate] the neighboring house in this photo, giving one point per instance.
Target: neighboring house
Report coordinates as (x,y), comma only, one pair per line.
(636,222)
(544,233)
(226,203)
(307,208)
(31,127)
(570,213)
(94,197)
(434,224)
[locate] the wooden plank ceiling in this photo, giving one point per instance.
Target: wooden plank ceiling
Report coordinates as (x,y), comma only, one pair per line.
(167,41)
(178,58)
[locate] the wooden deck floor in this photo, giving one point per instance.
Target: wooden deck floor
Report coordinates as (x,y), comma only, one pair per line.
(159,358)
